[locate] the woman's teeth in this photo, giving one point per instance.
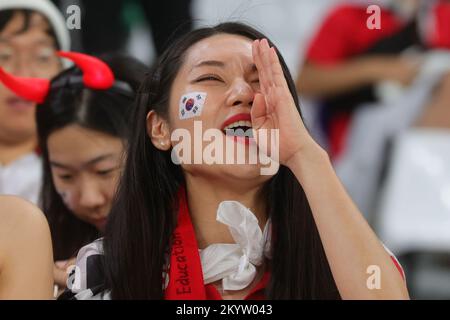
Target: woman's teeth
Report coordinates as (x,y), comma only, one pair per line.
(236,124)
(240,129)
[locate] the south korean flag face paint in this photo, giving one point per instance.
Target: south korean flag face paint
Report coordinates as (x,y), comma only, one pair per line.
(68,199)
(191,104)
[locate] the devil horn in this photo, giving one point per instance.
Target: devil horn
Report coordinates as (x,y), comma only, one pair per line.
(96,73)
(33,89)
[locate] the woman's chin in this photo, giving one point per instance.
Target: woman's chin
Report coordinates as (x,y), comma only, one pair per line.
(229,173)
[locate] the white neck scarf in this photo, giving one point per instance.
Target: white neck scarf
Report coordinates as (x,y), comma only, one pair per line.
(236,263)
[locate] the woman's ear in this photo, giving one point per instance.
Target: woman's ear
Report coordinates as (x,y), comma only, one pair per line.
(158,131)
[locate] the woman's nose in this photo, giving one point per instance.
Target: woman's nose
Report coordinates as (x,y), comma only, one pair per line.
(91,195)
(241,94)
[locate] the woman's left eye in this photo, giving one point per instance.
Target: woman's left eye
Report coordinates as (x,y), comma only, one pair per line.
(104,172)
(208,78)
(45,55)
(65,177)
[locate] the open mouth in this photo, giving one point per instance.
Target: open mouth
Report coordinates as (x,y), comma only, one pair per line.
(239,129)
(239,125)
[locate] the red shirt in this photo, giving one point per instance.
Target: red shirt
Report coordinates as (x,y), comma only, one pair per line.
(344,34)
(439,26)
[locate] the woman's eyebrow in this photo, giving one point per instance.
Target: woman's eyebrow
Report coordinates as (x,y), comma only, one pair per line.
(60,165)
(99,158)
(36,42)
(215,63)
(43,41)
(210,63)
(86,164)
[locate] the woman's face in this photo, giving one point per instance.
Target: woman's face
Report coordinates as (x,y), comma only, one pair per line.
(25,54)
(222,67)
(85,167)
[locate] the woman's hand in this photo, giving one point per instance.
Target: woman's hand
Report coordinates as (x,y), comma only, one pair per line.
(349,243)
(60,272)
(274,107)
(400,69)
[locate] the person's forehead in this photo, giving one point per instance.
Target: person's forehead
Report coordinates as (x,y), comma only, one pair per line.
(37,27)
(222,47)
(86,145)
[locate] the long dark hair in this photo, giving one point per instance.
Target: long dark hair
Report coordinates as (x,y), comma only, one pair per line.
(143,218)
(106,111)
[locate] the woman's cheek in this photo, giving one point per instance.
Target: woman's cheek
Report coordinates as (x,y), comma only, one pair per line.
(191,105)
(110,186)
(68,198)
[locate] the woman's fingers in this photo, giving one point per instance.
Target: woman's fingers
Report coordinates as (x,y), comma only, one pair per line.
(264,50)
(259,66)
(272,81)
(60,276)
(277,71)
(258,111)
(60,271)
(268,65)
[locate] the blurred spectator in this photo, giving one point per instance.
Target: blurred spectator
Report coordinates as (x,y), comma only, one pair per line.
(373,83)
(346,58)
(106,24)
(30,33)
(383,94)
(80,178)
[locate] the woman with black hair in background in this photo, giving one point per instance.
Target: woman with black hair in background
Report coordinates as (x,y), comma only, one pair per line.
(174,233)
(83,127)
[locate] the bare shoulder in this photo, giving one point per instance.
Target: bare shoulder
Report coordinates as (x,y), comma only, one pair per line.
(24,242)
(17,213)
(20,220)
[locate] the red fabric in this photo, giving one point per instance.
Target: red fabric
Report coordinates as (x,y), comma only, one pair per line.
(440,33)
(257,293)
(344,34)
(188,284)
(185,273)
(399,267)
(338,132)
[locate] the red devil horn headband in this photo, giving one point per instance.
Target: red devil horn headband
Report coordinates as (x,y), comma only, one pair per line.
(96,75)
(33,89)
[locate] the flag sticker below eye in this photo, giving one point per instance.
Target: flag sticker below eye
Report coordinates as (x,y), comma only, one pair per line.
(191,104)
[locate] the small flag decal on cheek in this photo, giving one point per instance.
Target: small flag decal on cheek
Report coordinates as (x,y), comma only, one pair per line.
(191,104)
